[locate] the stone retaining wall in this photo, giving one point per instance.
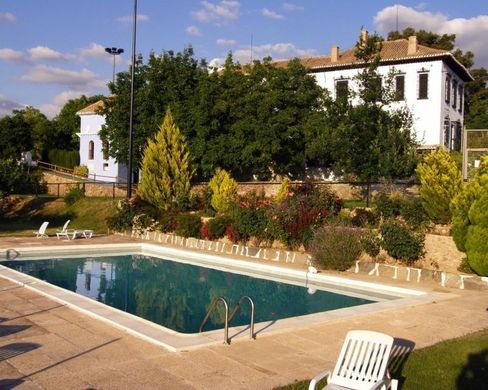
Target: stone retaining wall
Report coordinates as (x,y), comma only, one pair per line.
(60,185)
(396,272)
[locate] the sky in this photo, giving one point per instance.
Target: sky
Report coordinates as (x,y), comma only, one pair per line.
(53,50)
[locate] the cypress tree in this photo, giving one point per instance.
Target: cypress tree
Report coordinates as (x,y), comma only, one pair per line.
(165,168)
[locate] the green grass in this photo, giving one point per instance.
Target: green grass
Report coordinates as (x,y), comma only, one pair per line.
(27,216)
(454,364)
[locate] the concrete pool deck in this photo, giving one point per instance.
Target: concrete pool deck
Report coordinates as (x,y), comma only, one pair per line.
(44,344)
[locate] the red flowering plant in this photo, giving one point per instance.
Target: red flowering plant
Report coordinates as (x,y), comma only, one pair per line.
(294,219)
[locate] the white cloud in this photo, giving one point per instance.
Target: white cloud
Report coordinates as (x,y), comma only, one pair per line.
(94,50)
(128,19)
(12,55)
(48,54)
(225,42)
(7,17)
(470,33)
(44,74)
(52,108)
(276,51)
(7,105)
(271,14)
(224,11)
(292,7)
(193,30)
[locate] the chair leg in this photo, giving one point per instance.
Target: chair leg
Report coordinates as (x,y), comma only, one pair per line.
(394,384)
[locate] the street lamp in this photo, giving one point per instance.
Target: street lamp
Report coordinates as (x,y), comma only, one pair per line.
(114,51)
(131,111)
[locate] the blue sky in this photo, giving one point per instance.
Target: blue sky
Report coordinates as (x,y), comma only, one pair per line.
(53,50)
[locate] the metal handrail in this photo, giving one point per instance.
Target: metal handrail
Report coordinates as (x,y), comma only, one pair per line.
(209,313)
(228,317)
(238,306)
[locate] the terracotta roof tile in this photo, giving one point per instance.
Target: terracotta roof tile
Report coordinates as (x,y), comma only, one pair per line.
(391,51)
(92,108)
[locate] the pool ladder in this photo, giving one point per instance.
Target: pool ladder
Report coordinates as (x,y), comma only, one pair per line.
(229,316)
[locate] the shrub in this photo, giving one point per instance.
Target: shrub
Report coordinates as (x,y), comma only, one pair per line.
(11,174)
(224,191)
(388,205)
(64,158)
(73,195)
(462,203)
(293,220)
(336,247)
(440,181)
(167,222)
(230,233)
(283,191)
(250,217)
(400,242)
(371,244)
(81,170)
(364,217)
(413,212)
(216,227)
(122,220)
(188,225)
(142,223)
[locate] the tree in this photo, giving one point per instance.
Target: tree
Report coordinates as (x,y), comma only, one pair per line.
(372,141)
(15,136)
(165,168)
(477,100)
(440,181)
(66,124)
(224,191)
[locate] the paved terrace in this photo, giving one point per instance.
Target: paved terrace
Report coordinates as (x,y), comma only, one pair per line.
(44,344)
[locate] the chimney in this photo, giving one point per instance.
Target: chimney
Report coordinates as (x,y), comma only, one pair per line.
(364,36)
(334,54)
(412,45)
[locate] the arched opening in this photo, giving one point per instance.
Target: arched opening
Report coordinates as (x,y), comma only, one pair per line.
(91,150)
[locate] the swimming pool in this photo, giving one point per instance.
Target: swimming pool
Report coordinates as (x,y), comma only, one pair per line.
(87,275)
(178,295)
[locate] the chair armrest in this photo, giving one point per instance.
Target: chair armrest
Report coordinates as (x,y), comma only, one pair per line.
(317,379)
(384,383)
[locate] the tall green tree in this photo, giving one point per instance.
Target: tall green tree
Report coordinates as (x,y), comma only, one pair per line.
(15,135)
(371,141)
(165,168)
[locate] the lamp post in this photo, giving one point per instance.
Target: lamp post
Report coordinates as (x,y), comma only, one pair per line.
(114,51)
(131,112)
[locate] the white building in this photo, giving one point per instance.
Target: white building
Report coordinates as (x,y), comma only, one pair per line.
(430,82)
(93,152)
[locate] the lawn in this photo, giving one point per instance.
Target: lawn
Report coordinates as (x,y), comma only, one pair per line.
(454,364)
(27,216)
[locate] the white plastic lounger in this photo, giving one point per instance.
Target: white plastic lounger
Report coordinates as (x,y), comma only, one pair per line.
(85,233)
(362,363)
(64,232)
(42,230)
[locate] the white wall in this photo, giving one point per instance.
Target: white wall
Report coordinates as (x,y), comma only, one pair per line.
(104,170)
(428,114)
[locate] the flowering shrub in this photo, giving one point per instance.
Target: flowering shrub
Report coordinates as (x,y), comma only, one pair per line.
(250,217)
(122,220)
(293,220)
(142,223)
(216,227)
(230,233)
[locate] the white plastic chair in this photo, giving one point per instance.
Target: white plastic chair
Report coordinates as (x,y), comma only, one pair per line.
(64,232)
(42,230)
(362,363)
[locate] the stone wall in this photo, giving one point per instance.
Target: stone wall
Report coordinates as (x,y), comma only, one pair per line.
(58,185)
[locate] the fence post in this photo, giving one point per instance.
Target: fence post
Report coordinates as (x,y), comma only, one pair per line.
(113,191)
(58,190)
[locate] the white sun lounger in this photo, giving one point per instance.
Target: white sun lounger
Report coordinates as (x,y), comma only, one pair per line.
(64,232)
(42,230)
(362,363)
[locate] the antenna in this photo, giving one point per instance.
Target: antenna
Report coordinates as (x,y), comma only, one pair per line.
(251,49)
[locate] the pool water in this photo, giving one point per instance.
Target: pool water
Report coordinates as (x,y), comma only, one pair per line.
(178,295)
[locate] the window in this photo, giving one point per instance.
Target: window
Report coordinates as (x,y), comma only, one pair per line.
(399,87)
(447,133)
(91,150)
(454,93)
(342,89)
(423,86)
(461,97)
(105,150)
(447,89)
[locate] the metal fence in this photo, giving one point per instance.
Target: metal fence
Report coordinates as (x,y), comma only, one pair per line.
(475,146)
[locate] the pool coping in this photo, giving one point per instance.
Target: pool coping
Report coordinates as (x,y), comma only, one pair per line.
(177,342)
